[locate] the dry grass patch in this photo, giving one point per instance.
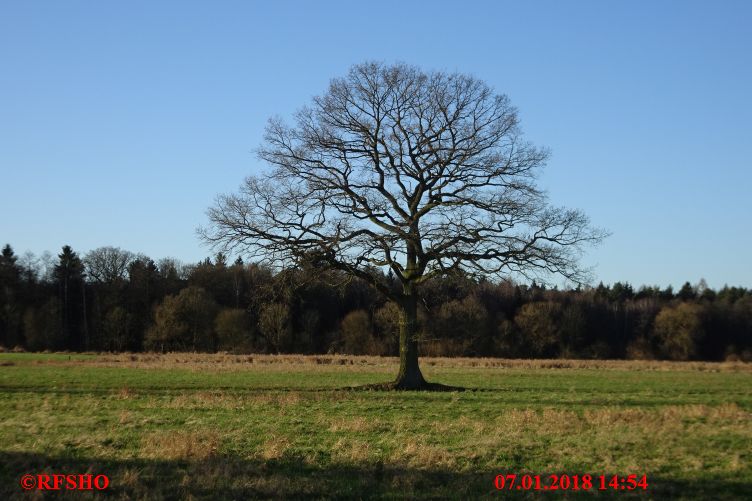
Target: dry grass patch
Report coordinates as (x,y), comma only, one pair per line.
(274,448)
(125,417)
(124,393)
(347,450)
(730,412)
(355,425)
(130,477)
(280,399)
(668,416)
(204,400)
(560,422)
(418,454)
(288,398)
(234,401)
(519,419)
(181,445)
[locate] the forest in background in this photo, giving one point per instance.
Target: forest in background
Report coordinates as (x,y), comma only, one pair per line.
(115,300)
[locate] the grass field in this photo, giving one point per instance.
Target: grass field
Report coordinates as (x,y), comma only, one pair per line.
(239,427)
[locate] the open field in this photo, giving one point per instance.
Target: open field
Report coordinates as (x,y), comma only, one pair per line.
(234,427)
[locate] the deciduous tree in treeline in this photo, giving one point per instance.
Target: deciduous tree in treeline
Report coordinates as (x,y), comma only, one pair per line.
(234,331)
(184,322)
(678,330)
(276,326)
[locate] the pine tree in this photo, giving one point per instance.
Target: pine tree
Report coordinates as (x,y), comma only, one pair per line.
(10,311)
(69,275)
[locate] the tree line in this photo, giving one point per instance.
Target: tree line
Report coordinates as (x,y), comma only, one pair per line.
(113,300)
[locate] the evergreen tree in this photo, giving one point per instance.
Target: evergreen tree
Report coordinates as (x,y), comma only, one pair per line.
(69,276)
(687,292)
(10,309)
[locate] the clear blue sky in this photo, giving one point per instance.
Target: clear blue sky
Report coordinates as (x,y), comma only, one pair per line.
(121,121)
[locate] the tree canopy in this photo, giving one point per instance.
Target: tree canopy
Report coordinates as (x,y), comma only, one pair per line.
(422,173)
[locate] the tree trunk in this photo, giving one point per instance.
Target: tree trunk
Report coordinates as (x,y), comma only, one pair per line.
(409,376)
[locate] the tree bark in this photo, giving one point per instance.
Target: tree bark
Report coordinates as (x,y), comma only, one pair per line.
(409,376)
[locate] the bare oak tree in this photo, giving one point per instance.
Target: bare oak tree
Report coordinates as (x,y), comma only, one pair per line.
(108,264)
(423,174)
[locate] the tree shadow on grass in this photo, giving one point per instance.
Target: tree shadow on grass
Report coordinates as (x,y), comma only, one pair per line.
(223,477)
(392,386)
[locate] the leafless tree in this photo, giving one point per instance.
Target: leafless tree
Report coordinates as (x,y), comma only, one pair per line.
(108,264)
(394,168)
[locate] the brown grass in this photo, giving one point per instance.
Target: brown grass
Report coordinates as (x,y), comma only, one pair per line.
(180,445)
(231,362)
(274,448)
(351,450)
(356,424)
(124,393)
(418,454)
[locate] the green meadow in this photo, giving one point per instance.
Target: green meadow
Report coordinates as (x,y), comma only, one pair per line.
(188,426)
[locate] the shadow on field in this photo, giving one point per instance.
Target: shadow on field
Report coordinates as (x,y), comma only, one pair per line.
(232,478)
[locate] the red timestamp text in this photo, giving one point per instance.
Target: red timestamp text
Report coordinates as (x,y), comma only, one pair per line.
(586,482)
